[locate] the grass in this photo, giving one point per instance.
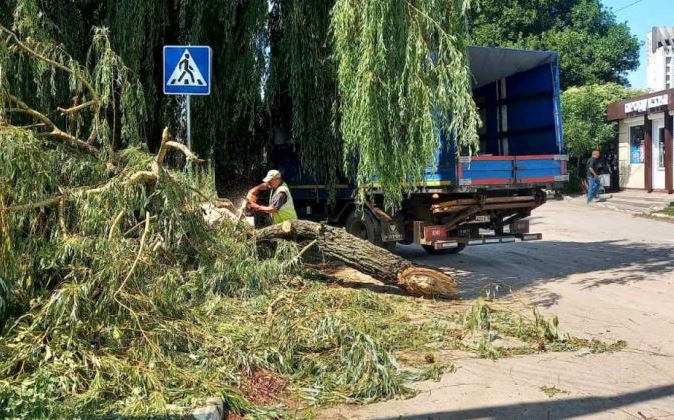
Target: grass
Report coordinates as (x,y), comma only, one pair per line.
(552,391)
(667,211)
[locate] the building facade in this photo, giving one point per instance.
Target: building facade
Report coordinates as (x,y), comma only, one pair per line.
(660,63)
(646,143)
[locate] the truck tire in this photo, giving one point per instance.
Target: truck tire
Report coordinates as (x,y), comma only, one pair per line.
(366,226)
(430,249)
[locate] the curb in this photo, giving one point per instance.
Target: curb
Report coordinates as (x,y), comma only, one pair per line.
(213,409)
(661,216)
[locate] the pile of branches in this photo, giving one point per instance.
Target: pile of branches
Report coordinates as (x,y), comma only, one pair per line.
(116,297)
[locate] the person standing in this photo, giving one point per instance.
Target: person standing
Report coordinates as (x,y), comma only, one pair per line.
(281,207)
(593,172)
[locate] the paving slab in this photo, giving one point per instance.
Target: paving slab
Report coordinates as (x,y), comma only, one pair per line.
(608,275)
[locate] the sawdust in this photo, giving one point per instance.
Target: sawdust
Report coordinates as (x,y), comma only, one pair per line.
(263,387)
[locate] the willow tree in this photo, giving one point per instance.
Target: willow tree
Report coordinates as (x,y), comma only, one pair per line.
(402,78)
(231,122)
(358,85)
(302,87)
(230,125)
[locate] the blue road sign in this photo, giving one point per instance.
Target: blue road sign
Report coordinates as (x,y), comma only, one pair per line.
(187,70)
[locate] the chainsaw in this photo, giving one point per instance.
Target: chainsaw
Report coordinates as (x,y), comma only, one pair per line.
(251,198)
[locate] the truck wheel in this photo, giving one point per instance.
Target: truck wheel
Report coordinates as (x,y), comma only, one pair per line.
(430,249)
(366,226)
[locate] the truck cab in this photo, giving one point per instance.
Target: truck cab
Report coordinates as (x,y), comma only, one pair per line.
(465,200)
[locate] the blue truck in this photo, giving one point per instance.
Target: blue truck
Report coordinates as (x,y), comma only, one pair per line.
(465,200)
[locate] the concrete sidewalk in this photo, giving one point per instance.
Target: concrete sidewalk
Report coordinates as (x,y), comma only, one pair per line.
(631,201)
(608,275)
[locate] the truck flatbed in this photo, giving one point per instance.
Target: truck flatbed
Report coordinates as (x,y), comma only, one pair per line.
(521,155)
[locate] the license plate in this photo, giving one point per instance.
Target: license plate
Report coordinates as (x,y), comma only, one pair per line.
(446,244)
(483,218)
(434,233)
(391,233)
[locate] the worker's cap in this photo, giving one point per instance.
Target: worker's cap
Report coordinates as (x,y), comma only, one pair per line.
(273,174)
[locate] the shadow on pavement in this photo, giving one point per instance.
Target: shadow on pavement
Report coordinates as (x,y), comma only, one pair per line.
(515,266)
(553,409)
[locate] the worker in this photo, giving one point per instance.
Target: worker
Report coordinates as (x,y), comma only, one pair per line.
(593,172)
(281,207)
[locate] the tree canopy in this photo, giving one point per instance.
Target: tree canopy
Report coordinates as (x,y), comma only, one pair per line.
(584,115)
(347,81)
(593,46)
(116,297)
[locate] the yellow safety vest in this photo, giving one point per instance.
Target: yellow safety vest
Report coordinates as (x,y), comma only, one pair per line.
(287,211)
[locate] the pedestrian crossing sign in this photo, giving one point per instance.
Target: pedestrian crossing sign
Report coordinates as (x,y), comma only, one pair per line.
(187,70)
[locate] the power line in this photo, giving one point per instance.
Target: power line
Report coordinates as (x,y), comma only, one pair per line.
(629,5)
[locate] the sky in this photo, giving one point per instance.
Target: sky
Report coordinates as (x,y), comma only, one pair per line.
(641,16)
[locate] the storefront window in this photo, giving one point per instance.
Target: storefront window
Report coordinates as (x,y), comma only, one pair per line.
(637,144)
(661,149)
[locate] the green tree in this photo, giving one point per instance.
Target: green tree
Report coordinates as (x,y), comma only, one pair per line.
(402,73)
(584,116)
(593,46)
(355,84)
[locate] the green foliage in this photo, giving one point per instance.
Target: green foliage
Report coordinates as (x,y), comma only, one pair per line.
(117,298)
(593,47)
(303,74)
(402,76)
(552,391)
(584,117)
(537,334)
(103,102)
(668,211)
(232,124)
(344,95)
(136,307)
(231,118)
(118,89)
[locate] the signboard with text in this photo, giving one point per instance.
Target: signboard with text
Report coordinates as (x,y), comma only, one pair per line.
(644,105)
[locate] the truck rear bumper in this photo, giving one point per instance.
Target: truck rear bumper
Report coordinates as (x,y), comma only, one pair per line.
(486,240)
(439,236)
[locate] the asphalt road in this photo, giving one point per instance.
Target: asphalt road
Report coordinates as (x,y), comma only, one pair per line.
(608,275)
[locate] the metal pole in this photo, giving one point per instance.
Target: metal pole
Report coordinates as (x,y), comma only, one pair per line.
(189,124)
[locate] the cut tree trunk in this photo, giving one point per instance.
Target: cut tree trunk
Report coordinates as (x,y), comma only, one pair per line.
(336,243)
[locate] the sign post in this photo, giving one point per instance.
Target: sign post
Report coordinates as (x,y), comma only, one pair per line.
(187,71)
(188,124)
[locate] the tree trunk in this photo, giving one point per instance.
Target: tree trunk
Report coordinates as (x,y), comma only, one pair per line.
(336,243)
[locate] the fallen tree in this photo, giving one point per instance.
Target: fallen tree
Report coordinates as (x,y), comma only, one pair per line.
(336,243)
(119,299)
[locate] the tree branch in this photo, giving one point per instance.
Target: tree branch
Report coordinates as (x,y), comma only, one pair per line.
(48,202)
(55,132)
(161,154)
(49,61)
(140,252)
(68,138)
(93,136)
(141,176)
(25,109)
(66,195)
(166,144)
(188,154)
(74,109)
(145,177)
